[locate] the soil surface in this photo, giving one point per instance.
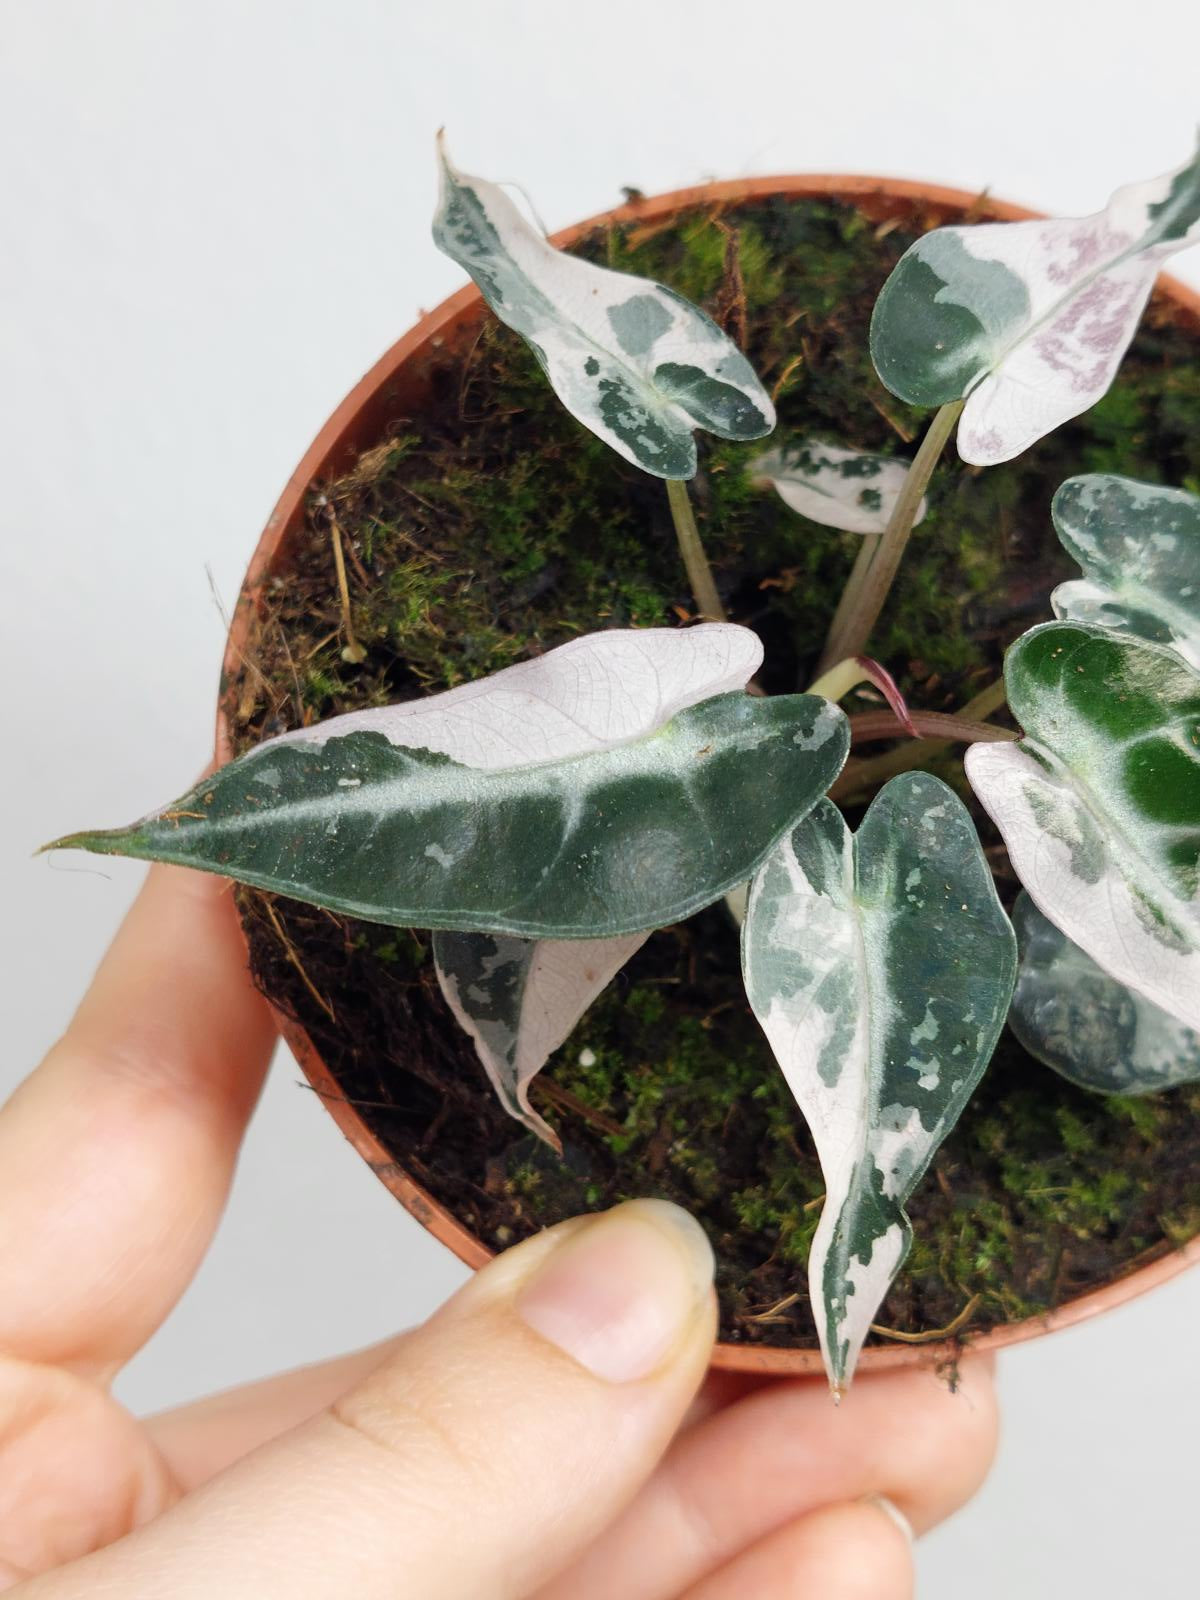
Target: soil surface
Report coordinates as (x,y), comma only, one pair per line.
(491,527)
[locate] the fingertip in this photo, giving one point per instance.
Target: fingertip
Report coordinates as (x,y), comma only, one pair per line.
(624,1294)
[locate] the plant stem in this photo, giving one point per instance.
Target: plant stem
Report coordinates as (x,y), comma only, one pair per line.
(847,675)
(735,903)
(831,653)
(839,680)
(880,556)
(861,776)
(938,725)
(352,650)
(708,602)
(704,589)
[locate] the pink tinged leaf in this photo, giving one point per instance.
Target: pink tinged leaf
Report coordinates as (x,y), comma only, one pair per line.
(890,689)
(1088,280)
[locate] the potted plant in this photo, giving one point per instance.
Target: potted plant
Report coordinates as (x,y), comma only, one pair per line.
(470,693)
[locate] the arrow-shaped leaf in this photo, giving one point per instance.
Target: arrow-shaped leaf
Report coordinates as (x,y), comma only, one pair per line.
(880,967)
(1088,1026)
(520,998)
(1139,547)
(626,837)
(632,360)
(835,486)
(1099,803)
(1028,320)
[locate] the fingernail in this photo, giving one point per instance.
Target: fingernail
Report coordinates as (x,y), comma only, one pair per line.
(618,1294)
(892,1511)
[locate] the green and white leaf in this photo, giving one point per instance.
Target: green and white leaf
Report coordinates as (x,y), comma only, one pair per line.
(1099,803)
(370,815)
(1139,547)
(1089,1027)
(880,966)
(520,998)
(632,360)
(835,486)
(1028,320)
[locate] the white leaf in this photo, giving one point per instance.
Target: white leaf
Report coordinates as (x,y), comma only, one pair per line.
(632,360)
(835,486)
(518,999)
(595,693)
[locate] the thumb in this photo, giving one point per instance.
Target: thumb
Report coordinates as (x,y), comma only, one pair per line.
(495,1442)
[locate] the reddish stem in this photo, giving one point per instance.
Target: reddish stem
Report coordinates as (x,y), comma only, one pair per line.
(890,689)
(868,725)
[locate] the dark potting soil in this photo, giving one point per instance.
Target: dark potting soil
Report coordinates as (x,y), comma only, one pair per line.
(490,527)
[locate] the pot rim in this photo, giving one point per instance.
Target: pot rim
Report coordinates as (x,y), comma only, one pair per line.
(334,445)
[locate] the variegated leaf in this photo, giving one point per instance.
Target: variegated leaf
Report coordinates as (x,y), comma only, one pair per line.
(1092,1029)
(377,814)
(835,486)
(1099,803)
(1139,547)
(520,998)
(632,360)
(880,967)
(1028,320)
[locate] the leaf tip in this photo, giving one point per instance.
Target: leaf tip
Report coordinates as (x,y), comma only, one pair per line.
(69,841)
(100,842)
(447,171)
(890,689)
(544,1131)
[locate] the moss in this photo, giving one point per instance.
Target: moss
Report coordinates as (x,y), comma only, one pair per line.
(492,527)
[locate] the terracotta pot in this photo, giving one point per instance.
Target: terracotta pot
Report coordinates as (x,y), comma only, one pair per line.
(396,385)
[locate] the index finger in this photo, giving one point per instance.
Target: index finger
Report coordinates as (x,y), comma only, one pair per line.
(117,1152)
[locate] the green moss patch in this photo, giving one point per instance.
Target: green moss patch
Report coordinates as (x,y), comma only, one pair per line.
(491,527)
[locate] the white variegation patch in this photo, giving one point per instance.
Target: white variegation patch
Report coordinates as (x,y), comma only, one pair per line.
(595,693)
(840,488)
(880,967)
(1096,1032)
(1028,320)
(630,359)
(1139,547)
(1099,803)
(518,999)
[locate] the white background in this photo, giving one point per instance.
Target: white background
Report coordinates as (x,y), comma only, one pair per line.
(215,218)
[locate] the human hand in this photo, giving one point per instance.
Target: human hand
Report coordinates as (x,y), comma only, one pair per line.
(540,1436)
